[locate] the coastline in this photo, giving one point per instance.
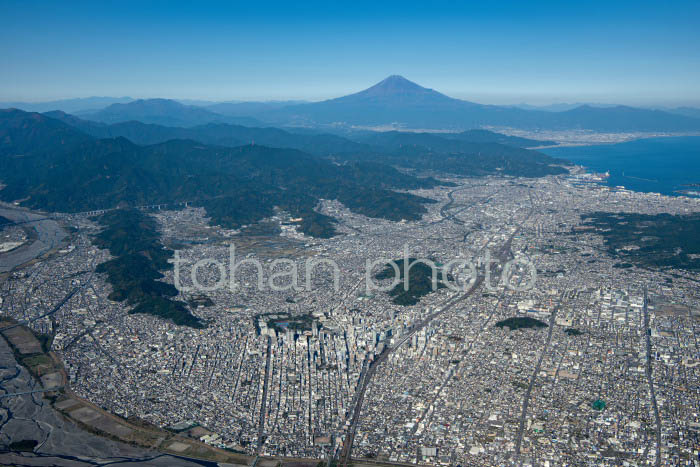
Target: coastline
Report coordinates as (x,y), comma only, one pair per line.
(663,165)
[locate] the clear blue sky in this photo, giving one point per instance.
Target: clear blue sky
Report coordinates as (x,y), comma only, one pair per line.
(505,52)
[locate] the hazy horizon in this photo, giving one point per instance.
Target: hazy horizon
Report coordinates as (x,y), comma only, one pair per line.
(624,53)
(484,98)
(503,100)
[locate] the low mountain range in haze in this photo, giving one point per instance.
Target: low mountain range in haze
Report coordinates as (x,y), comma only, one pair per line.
(687,111)
(394,101)
(471,152)
(164,112)
(221,134)
(398,100)
(224,134)
(79,105)
(560,106)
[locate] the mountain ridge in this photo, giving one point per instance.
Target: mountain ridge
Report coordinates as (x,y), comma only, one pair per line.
(237,185)
(394,86)
(223,134)
(80,104)
(163,112)
(399,102)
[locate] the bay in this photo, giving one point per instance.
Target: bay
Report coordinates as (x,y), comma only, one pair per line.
(670,166)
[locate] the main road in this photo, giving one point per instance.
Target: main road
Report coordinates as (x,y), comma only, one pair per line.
(366,376)
(650,378)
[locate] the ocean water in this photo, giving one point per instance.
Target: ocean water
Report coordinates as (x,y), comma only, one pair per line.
(659,165)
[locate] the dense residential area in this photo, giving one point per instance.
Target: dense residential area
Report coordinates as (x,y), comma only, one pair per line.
(298,373)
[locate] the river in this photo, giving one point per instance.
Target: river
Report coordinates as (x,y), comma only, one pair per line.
(49,235)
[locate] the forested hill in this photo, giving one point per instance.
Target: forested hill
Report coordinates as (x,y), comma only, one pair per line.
(219,134)
(138,259)
(469,153)
(458,155)
(237,185)
(486,136)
